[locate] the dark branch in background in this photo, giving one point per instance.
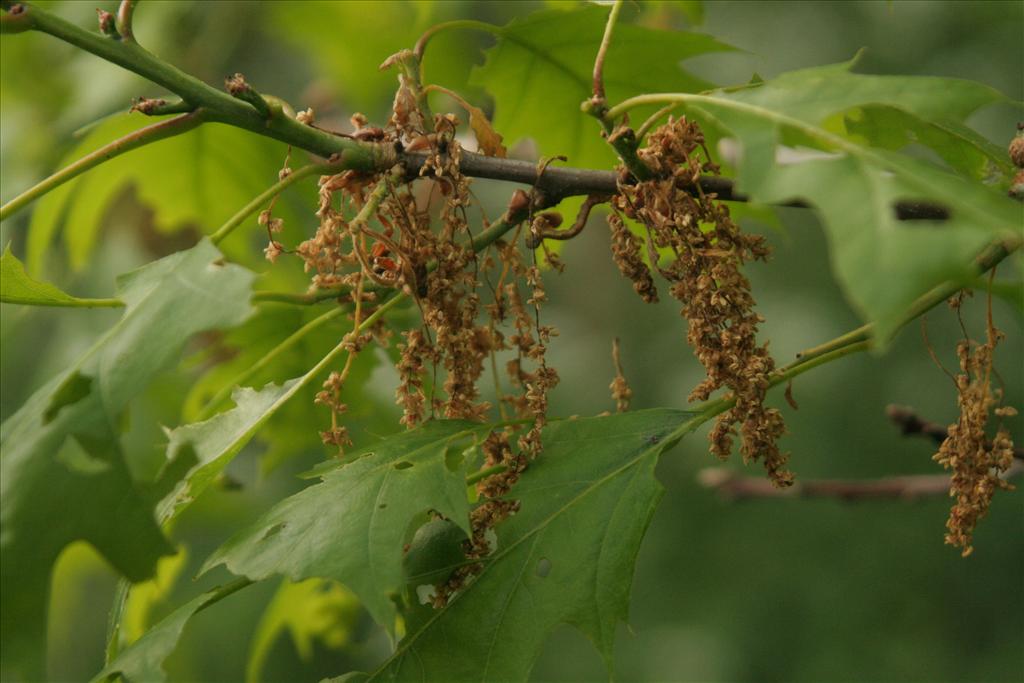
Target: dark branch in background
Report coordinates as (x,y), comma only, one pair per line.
(735,487)
(911,424)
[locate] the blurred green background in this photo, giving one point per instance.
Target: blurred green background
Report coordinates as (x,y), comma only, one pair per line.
(757,591)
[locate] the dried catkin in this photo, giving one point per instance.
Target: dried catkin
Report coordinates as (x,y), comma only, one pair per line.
(975,463)
(626,254)
(705,273)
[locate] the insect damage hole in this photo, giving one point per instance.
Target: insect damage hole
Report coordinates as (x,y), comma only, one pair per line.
(274,530)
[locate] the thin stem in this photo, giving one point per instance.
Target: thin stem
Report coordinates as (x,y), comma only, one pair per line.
(268,194)
(69,303)
(470,24)
(609,28)
(225,591)
(144,136)
(484,473)
(124,19)
(653,119)
(985,262)
(709,409)
(268,358)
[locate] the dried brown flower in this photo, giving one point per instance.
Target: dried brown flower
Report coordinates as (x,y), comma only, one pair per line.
(706,275)
(626,254)
(975,463)
(621,393)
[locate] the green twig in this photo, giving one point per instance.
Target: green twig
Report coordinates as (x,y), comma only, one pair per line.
(124,20)
(268,194)
(144,136)
(221,106)
(653,119)
(985,262)
(225,591)
(609,28)
(65,303)
(471,24)
(852,342)
(623,140)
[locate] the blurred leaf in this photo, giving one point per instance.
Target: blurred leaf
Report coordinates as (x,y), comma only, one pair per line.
(541,70)
(200,178)
(965,150)
(61,459)
(350,527)
(566,556)
(883,263)
(16,287)
(350,65)
(308,610)
(148,594)
(142,661)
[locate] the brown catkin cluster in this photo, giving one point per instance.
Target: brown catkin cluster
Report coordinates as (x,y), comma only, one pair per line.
(380,232)
(975,462)
(497,451)
(1016,151)
(708,251)
(529,340)
(626,254)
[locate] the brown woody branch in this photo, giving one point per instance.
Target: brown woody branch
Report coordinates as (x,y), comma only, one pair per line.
(259,116)
(735,487)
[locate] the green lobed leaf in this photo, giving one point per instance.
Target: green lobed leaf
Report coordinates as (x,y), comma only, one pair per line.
(63,475)
(315,609)
(883,263)
(350,527)
(566,556)
(199,178)
(17,287)
(541,70)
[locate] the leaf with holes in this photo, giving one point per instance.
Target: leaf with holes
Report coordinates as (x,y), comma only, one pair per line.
(566,556)
(62,461)
(351,526)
